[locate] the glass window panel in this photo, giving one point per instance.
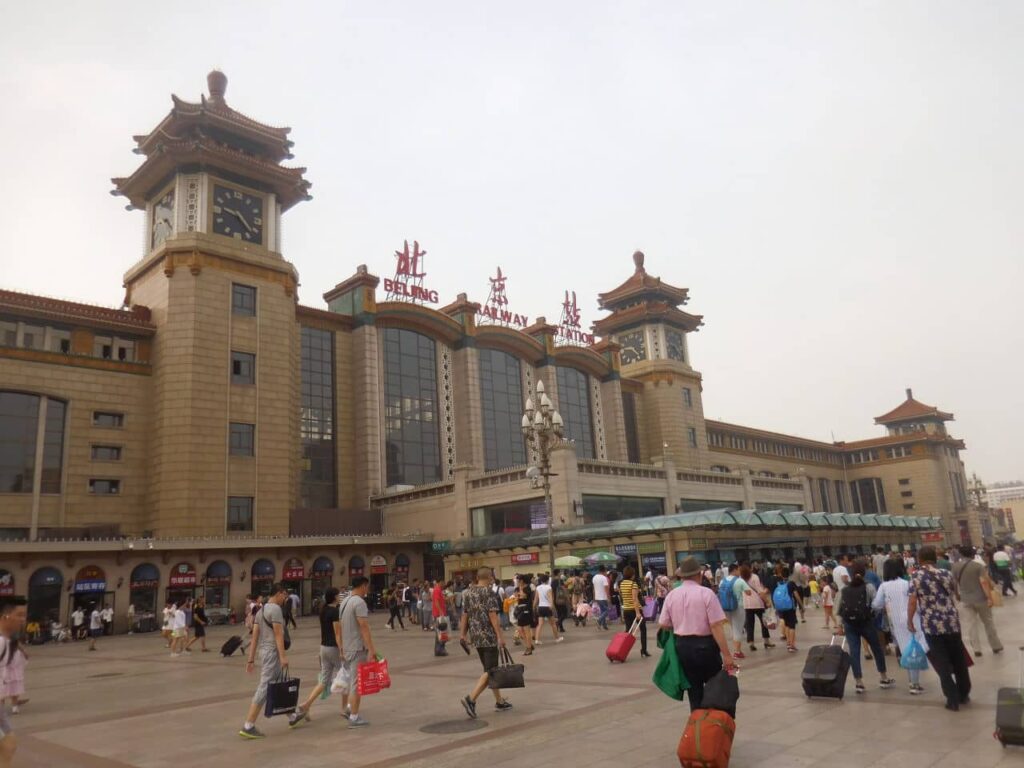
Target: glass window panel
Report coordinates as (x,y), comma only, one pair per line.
(240,513)
(574,406)
(412,437)
(501,400)
(19,417)
(317,425)
(243,299)
(632,428)
(243,368)
(242,439)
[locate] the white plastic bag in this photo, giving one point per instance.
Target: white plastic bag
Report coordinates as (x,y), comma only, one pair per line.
(342,681)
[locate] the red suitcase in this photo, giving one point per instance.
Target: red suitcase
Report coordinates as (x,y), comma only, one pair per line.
(622,643)
(707,740)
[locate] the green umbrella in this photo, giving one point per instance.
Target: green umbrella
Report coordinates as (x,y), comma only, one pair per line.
(602,558)
(568,561)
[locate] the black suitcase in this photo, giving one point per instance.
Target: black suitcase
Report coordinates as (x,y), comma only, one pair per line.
(233,644)
(825,671)
(1010,711)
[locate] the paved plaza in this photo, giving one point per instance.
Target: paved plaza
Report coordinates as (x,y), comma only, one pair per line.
(130,704)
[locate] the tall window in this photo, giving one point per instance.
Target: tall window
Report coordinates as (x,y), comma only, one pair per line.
(501,399)
(411,434)
(317,429)
(691,436)
(19,425)
(240,513)
(840,496)
(687,397)
(632,428)
(243,299)
(826,506)
(242,440)
(243,368)
(574,406)
(868,496)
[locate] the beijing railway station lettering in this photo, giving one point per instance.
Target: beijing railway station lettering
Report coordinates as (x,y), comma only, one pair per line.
(496,308)
(407,284)
(569,327)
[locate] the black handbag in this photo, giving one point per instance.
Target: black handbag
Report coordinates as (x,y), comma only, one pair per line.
(721,692)
(282,695)
(507,674)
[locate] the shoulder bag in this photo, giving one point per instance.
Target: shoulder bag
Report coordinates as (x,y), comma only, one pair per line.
(507,674)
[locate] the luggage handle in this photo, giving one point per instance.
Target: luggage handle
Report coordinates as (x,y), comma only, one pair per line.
(635,628)
(843,646)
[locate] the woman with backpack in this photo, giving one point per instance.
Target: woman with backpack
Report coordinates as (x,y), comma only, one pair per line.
(787,597)
(730,596)
(754,604)
(858,622)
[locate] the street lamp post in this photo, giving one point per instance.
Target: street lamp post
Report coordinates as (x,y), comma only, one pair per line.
(543,427)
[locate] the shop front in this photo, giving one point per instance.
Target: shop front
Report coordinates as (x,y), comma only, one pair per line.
(91,590)
(143,586)
(181,584)
(356,567)
(378,576)
(402,563)
(293,577)
(262,574)
(320,577)
(645,557)
(6,583)
(44,590)
(217,591)
(519,562)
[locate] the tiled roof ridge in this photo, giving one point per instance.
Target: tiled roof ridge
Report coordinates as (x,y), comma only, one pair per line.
(137,315)
(223,110)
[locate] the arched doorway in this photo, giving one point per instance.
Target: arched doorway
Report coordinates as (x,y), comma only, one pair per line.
(293,577)
(181,585)
(402,568)
(142,590)
(44,588)
(320,576)
(218,591)
(91,591)
(262,575)
(356,567)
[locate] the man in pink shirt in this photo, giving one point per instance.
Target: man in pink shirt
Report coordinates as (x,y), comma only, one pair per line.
(697,620)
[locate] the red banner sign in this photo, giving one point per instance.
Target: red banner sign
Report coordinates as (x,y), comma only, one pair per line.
(293,570)
(569,325)
(183,575)
(408,280)
(496,308)
(525,558)
(6,583)
(931,537)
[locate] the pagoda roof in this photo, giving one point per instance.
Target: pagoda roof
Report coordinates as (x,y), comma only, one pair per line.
(644,311)
(137,319)
(212,116)
(639,287)
(911,409)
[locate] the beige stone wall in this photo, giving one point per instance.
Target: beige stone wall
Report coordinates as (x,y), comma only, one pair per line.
(86,390)
(664,417)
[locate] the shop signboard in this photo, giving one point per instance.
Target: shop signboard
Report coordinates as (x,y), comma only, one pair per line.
(91,579)
(525,558)
(6,583)
(625,549)
(378,564)
(439,547)
(183,575)
(655,560)
(293,570)
(931,537)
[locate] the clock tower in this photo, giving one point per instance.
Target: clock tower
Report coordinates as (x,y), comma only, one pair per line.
(223,451)
(652,332)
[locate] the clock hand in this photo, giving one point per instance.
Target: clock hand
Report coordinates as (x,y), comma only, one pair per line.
(241,219)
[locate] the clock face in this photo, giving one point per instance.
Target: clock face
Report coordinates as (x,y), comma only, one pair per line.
(163,218)
(237,214)
(674,343)
(633,347)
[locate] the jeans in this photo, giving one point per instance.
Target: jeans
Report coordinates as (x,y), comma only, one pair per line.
(602,620)
(1005,576)
(949,659)
(866,631)
(700,659)
(759,614)
(630,617)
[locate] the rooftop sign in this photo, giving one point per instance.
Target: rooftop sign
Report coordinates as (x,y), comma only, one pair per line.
(407,284)
(569,324)
(496,309)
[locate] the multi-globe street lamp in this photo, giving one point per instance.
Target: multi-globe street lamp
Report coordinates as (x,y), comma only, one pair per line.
(543,428)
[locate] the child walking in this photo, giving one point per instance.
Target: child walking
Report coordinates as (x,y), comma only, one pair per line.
(828,595)
(12,685)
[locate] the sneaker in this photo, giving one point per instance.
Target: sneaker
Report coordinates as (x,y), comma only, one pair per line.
(753,647)
(296,717)
(537,642)
(859,688)
(791,648)
(997,651)
(769,645)
(250,733)
(739,655)
(886,682)
(357,722)
(868,657)
(15,709)
(188,653)
(560,639)
(916,690)
(470,706)
(503,706)
(173,655)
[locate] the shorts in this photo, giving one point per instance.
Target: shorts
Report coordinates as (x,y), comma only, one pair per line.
(96,632)
(5,722)
(178,633)
(788,618)
(351,662)
(488,658)
(330,664)
(270,672)
(199,630)
(544,612)
(525,618)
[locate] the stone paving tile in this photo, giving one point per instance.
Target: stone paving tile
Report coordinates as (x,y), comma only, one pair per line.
(574,712)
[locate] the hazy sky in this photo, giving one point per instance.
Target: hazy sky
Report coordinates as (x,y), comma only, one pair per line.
(838,184)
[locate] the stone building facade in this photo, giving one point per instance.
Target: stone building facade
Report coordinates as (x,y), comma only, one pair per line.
(217,421)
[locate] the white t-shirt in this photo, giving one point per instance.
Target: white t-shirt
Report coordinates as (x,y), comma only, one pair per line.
(841,576)
(600,587)
(95,620)
(543,595)
(179,619)
(77,618)
(108,614)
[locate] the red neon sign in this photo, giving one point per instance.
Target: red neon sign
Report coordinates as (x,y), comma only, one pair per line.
(569,325)
(495,309)
(409,273)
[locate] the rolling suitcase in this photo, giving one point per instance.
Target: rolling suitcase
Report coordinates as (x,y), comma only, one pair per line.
(622,643)
(707,740)
(825,670)
(1010,711)
(233,644)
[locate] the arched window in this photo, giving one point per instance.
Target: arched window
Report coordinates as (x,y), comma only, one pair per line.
(501,400)
(574,406)
(411,433)
(20,413)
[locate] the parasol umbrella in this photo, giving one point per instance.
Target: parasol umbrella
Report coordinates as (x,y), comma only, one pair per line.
(602,558)
(568,561)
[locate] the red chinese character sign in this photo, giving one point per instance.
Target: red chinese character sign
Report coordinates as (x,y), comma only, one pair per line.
(183,575)
(496,311)
(407,284)
(569,327)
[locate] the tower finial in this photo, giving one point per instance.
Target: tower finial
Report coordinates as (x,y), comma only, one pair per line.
(910,394)
(638,259)
(217,83)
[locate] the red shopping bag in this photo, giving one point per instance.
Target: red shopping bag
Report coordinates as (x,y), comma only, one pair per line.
(373,677)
